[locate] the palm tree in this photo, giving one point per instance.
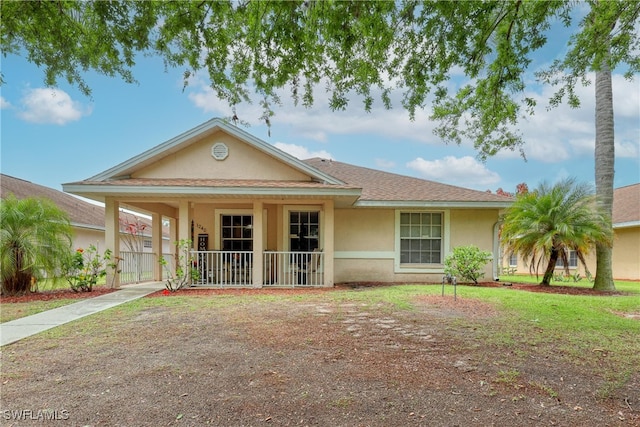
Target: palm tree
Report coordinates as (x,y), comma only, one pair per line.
(552,220)
(35,236)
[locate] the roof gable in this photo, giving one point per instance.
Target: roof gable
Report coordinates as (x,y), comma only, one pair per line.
(189,155)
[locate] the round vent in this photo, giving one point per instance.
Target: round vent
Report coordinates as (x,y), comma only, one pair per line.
(219,151)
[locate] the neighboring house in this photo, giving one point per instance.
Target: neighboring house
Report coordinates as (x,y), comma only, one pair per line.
(625,258)
(259,217)
(88,220)
(626,231)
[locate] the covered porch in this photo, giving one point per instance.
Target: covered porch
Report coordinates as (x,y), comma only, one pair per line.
(288,242)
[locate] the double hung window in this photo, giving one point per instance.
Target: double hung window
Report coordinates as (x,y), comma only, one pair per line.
(421,237)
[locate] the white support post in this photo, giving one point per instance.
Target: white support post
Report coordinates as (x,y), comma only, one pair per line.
(112,238)
(156,244)
(258,244)
(328,242)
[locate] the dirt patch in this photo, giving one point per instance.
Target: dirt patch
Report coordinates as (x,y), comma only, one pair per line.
(312,362)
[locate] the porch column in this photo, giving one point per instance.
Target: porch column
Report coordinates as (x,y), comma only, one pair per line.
(258,244)
(173,236)
(184,231)
(112,237)
(184,221)
(328,243)
(156,244)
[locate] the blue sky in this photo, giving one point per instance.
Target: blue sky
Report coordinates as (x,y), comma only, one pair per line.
(54,136)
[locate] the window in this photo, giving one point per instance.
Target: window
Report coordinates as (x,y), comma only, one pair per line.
(513,260)
(304,230)
(421,238)
(573,260)
(237,232)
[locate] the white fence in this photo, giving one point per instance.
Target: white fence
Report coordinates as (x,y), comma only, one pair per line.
(136,267)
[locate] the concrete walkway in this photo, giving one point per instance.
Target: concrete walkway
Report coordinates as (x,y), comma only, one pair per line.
(24,327)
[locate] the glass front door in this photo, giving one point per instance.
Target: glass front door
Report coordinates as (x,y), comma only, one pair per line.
(237,232)
(304,231)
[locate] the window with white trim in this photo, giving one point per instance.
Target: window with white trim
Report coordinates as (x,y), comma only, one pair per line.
(513,260)
(421,237)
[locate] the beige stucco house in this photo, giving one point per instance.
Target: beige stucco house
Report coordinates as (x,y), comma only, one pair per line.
(259,217)
(625,258)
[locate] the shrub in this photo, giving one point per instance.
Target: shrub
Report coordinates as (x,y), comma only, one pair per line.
(83,268)
(467,262)
(180,278)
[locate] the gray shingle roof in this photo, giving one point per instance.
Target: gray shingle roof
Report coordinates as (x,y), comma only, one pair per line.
(80,212)
(384,186)
(626,204)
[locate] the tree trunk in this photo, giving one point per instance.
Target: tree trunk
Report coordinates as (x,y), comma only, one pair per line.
(604,170)
(548,274)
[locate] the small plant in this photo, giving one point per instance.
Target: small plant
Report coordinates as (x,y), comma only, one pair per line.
(509,377)
(83,268)
(467,262)
(184,261)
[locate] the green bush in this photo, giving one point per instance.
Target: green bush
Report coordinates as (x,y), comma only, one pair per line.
(84,267)
(467,262)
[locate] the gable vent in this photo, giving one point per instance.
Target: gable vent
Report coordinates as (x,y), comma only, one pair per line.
(219,151)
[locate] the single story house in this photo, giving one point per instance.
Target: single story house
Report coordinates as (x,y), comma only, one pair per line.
(257,216)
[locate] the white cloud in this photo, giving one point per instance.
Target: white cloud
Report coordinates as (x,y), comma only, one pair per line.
(627,150)
(320,122)
(4,103)
(51,106)
(301,152)
(385,164)
(562,133)
(465,171)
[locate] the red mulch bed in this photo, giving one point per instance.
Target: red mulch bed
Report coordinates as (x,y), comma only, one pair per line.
(57,294)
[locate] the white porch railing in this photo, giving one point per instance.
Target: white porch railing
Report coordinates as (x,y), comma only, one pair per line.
(223,268)
(280,269)
(293,268)
(136,267)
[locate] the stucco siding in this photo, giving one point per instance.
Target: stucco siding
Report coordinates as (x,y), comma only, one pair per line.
(243,162)
(473,227)
(366,244)
(364,230)
(83,237)
(626,253)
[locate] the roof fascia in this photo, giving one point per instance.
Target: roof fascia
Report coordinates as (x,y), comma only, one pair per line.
(206,191)
(120,171)
(424,204)
(627,224)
